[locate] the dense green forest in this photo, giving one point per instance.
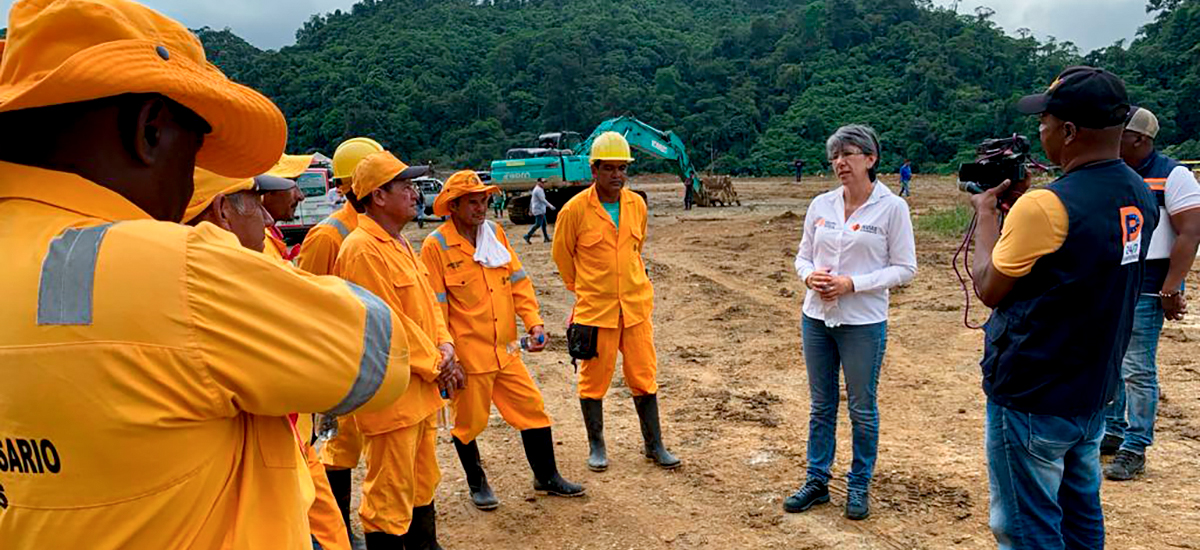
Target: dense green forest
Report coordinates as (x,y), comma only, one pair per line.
(749,84)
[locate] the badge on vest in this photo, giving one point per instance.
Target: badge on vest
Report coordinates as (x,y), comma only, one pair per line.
(1131,234)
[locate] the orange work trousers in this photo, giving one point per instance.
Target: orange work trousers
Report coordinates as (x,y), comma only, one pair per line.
(324,519)
(343,450)
(402,473)
(638,361)
(512,390)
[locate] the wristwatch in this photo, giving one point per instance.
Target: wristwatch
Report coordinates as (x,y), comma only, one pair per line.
(1168,294)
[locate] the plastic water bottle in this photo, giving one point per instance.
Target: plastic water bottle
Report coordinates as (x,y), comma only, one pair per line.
(523,343)
(445,419)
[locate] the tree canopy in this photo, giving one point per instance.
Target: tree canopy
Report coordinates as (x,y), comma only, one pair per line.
(749,85)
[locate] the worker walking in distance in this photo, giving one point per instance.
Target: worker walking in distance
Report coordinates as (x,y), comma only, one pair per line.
(1129,422)
(149,403)
(483,289)
(537,206)
(598,245)
(402,470)
(318,255)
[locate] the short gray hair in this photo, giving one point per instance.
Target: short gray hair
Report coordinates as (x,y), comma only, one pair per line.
(243,201)
(856,135)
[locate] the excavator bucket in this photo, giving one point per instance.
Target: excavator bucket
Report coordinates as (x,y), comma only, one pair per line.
(717,191)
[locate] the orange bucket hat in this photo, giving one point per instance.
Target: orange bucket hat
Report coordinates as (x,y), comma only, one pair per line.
(208,186)
(67,51)
(463,182)
(291,166)
(376,169)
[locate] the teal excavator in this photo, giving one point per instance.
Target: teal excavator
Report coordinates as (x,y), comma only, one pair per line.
(561,158)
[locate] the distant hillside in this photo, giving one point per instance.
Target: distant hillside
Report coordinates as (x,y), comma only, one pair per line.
(748,84)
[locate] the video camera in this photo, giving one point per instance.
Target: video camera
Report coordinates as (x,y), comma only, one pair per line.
(996,160)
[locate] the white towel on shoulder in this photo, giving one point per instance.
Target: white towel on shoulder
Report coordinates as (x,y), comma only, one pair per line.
(489,252)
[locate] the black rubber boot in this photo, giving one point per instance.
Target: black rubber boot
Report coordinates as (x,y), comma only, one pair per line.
(341,484)
(539,451)
(647,409)
(384,541)
(593,420)
(422,532)
(481,493)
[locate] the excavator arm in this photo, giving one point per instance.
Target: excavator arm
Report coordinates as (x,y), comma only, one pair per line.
(651,141)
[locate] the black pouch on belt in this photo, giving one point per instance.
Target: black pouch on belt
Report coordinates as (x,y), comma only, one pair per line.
(581,341)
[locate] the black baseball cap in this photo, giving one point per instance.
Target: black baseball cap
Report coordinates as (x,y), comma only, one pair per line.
(1087,96)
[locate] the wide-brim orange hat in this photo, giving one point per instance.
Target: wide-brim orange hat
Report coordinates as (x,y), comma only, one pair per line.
(291,166)
(376,169)
(461,183)
(67,51)
(208,186)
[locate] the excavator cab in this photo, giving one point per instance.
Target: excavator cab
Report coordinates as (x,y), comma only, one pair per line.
(565,142)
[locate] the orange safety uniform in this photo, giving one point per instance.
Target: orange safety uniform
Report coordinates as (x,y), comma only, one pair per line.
(324,517)
(602,265)
(481,306)
(273,244)
(402,468)
(142,393)
(318,255)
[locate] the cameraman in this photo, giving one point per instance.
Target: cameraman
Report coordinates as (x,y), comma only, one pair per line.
(1063,278)
(1172,251)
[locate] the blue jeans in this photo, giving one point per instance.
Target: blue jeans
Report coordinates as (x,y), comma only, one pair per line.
(1044,474)
(856,350)
(539,220)
(1132,414)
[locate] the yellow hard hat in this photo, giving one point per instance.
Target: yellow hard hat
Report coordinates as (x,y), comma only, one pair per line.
(610,146)
(350,153)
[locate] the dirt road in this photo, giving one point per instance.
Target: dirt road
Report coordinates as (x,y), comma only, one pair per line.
(735,407)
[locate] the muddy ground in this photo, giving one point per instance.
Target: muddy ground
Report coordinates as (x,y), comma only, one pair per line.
(734,399)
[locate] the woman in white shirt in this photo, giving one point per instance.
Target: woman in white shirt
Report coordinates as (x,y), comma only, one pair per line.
(857,243)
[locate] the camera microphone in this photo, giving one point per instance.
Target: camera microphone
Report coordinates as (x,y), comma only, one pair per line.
(969,187)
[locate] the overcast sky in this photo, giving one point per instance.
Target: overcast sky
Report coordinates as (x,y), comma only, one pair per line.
(271,24)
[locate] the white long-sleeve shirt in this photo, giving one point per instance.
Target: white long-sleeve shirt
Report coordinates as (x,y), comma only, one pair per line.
(874,247)
(538,203)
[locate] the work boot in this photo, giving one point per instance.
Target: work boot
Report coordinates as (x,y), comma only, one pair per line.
(647,409)
(857,504)
(1126,466)
(539,451)
(593,420)
(341,484)
(384,541)
(422,531)
(481,493)
(812,493)
(1110,444)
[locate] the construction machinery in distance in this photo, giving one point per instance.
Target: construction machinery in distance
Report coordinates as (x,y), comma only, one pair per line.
(561,158)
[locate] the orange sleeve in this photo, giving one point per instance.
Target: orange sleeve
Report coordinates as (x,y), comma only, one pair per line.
(563,249)
(524,296)
(432,257)
(1036,226)
(372,273)
(318,252)
(354,353)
